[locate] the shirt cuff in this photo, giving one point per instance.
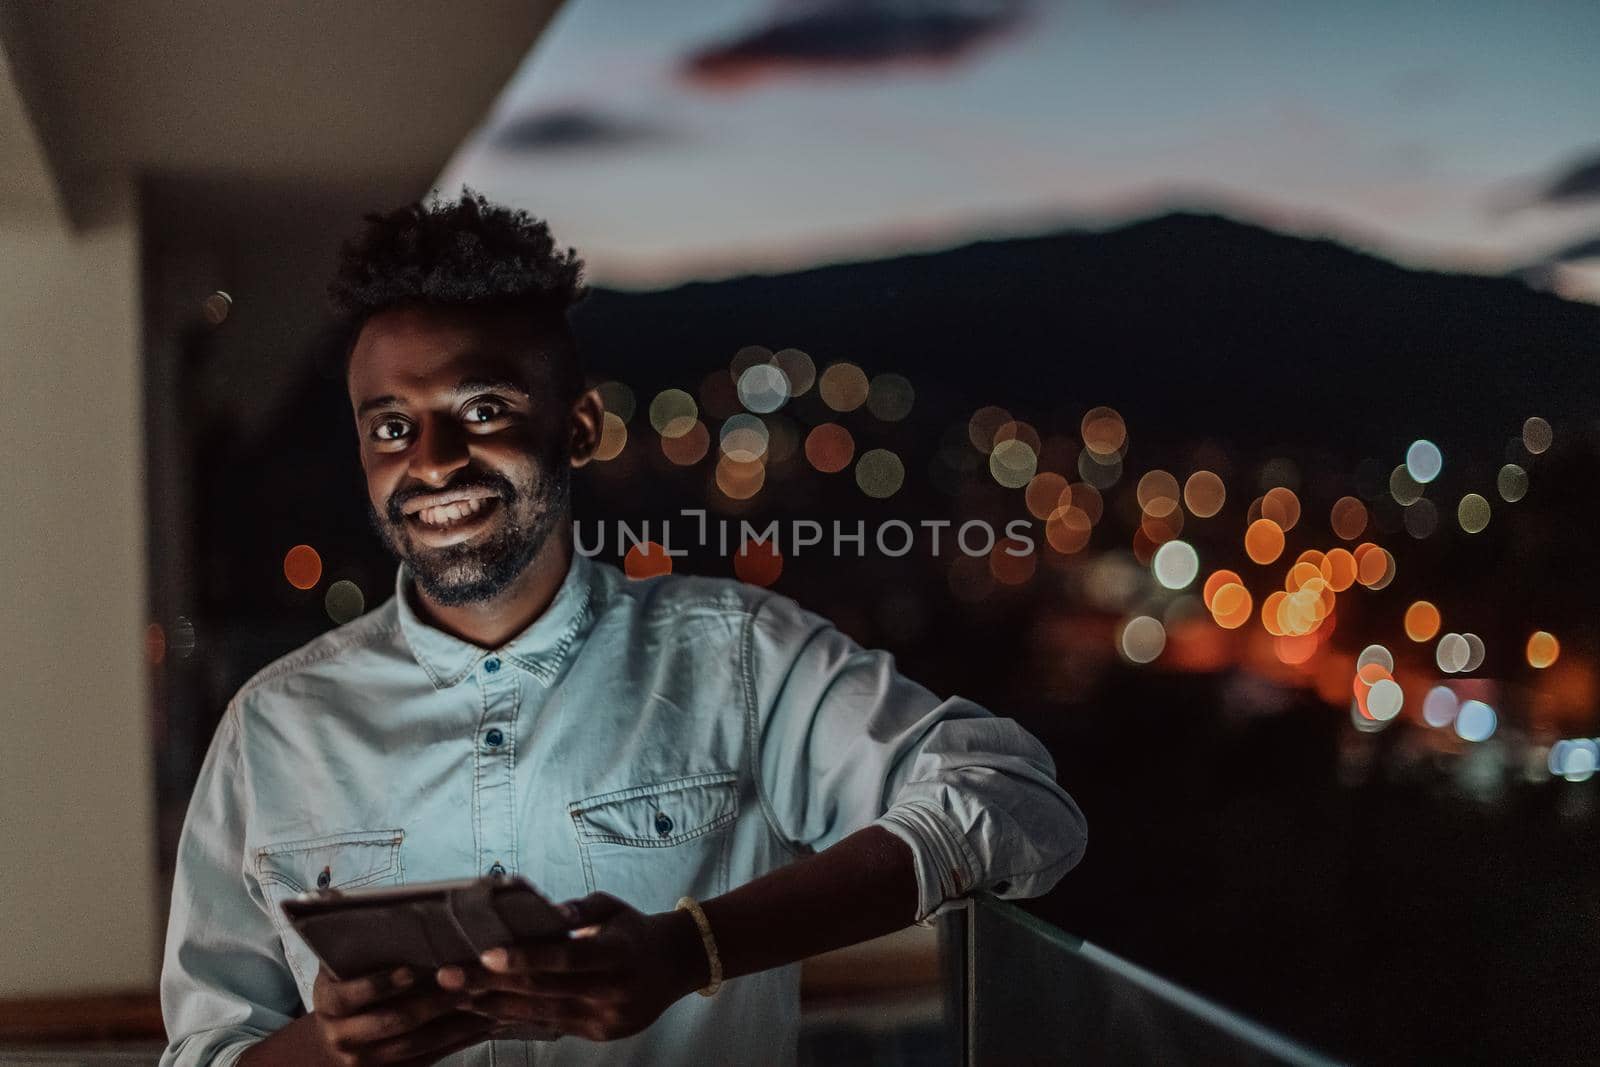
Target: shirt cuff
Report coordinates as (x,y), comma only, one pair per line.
(945,866)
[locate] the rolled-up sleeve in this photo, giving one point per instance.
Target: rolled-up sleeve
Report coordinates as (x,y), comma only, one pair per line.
(845,741)
(224,981)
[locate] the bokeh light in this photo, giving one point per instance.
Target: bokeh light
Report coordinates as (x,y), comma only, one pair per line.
(983,426)
(758,562)
(1142,639)
(798,369)
(829,448)
(1543,649)
(613,437)
(1348,518)
(302,567)
(880,473)
(890,397)
(1263,541)
(688,448)
(344,601)
(1013,462)
(1422,621)
(1512,483)
(1440,706)
(763,388)
(1176,564)
(1421,519)
(1473,513)
(1046,492)
(740,479)
(1475,652)
(1405,489)
(1282,507)
(1452,653)
(843,387)
(646,560)
(1385,699)
(1068,529)
(743,438)
(1103,431)
(1424,461)
(1476,721)
(618,399)
(673,412)
(1537,435)
(1204,494)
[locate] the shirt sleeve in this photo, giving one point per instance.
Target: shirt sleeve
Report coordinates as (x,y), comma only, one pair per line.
(845,741)
(224,981)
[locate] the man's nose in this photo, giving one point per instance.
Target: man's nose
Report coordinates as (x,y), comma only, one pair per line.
(440,451)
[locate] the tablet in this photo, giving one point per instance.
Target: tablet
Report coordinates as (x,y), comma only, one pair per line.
(425,926)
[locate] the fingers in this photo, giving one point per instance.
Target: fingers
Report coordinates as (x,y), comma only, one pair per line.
(333,997)
(393,1017)
(594,908)
(566,1014)
(432,1041)
(575,954)
(477,980)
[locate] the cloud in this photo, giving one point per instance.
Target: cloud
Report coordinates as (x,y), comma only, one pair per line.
(571,128)
(1580,181)
(853,35)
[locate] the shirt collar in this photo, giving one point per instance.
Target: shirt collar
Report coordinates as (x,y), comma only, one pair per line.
(539,649)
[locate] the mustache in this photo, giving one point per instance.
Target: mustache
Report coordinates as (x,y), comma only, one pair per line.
(496,483)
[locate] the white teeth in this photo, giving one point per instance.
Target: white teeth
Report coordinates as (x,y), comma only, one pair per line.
(445,514)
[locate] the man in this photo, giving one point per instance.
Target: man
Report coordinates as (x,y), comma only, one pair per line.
(516,707)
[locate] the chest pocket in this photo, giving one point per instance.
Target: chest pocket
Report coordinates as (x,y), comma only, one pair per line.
(352,860)
(651,844)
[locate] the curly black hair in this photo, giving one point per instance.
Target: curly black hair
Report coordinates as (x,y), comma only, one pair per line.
(463,253)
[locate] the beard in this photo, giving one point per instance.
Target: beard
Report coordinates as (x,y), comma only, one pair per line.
(480,569)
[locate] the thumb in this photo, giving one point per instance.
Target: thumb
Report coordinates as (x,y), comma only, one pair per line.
(594,908)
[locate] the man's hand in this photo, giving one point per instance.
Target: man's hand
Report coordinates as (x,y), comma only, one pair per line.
(611,978)
(387,1018)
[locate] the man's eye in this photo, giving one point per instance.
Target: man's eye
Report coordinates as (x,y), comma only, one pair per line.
(483,411)
(389,430)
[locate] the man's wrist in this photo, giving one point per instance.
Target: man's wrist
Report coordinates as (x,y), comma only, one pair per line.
(685,951)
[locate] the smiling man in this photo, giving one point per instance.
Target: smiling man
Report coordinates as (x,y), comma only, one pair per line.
(716,781)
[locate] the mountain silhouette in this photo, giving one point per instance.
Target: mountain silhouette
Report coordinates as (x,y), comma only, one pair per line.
(1189,324)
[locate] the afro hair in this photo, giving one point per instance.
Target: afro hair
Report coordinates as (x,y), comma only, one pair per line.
(463,253)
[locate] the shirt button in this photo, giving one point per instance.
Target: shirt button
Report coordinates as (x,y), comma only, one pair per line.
(497,869)
(663,823)
(494,737)
(491,664)
(325,878)
(1001,886)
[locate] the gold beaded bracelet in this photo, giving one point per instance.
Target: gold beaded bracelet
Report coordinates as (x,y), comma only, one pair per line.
(690,905)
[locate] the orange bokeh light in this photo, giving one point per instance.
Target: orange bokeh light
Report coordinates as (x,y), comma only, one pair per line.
(302,567)
(646,560)
(1282,507)
(1543,649)
(1217,581)
(1263,541)
(1422,621)
(757,562)
(688,448)
(829,448)
(1339,569)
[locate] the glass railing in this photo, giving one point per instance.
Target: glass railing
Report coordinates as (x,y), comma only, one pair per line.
(1016,990)
(1031,993)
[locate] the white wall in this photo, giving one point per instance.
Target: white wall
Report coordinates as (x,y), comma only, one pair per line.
(77,837)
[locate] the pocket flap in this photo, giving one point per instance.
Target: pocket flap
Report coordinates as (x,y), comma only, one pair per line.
(350,859)
(659,814)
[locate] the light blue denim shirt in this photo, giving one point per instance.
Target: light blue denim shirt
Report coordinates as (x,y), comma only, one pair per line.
(651,739)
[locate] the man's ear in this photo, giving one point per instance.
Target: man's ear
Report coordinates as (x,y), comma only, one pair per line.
(586,420)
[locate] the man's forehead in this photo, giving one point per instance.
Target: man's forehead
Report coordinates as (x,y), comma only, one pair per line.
(428,348)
